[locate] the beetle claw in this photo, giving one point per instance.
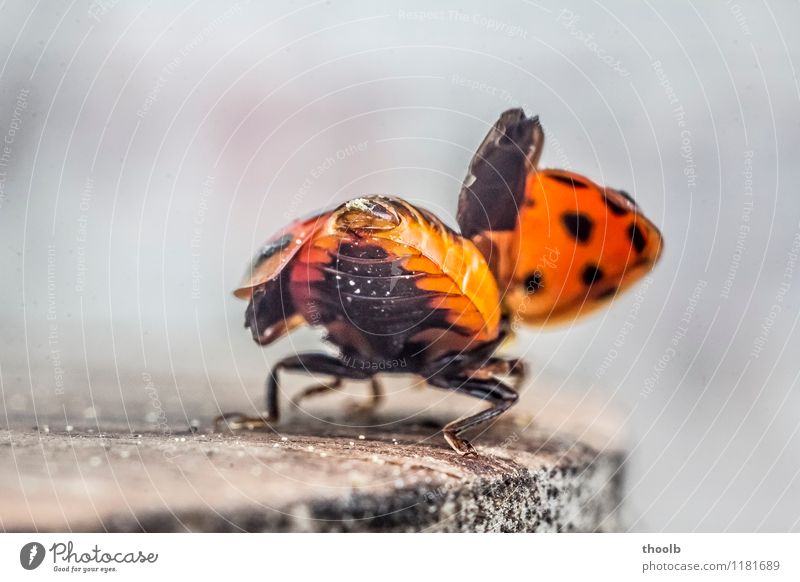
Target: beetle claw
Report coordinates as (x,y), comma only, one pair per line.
(462,446)
(237,421)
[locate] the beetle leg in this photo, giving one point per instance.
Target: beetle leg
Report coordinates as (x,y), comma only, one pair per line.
(315,390)
(492,390)
(325,364)
(309,362)
(375,399)
(238,421)
(376,396)
(514,368)
(338,368)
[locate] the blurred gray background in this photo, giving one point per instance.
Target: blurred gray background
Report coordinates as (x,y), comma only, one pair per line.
(149,148)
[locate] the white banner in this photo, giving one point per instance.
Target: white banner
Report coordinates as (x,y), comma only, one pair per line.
(355,557)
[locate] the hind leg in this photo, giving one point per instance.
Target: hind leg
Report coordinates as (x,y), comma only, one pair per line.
(311,362)
(512,368)
(499,395)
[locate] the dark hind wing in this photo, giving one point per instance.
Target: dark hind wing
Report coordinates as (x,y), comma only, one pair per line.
(271,312)
(494,189)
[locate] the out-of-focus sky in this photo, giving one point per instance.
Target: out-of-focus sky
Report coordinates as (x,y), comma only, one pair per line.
(149,148)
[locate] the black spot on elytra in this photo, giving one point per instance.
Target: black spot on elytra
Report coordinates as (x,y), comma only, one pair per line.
(614,206)
(637,237)
(591,274)
(569,181)
(533,282)
(578,225)
(608,293)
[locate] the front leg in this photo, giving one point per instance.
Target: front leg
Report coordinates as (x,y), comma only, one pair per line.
(376,396)
(238,421)
(313,362)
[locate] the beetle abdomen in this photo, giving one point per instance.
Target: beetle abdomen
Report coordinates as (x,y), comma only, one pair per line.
(383,277)
(365,296)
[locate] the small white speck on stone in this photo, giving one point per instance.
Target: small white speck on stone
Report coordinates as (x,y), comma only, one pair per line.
(183,439)
(284,439)
(70,428)
(323,454)
(275,446)
(311,448)
(361,437)
(352,443)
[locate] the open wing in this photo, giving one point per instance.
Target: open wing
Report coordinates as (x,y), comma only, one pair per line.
(276,253)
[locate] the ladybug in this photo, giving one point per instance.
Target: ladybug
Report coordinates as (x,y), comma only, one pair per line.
(391,283)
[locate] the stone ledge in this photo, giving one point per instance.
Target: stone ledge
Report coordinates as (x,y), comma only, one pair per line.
(401,477)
